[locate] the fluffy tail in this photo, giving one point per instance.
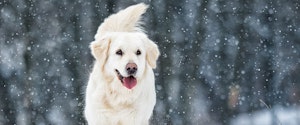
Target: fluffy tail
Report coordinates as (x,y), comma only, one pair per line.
(127,20)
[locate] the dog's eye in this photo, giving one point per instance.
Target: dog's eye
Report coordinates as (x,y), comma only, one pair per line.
(119,52)
(138,52)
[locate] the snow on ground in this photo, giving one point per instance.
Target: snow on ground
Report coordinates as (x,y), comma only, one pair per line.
(283,116)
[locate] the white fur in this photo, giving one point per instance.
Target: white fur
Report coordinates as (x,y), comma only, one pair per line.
(108,102)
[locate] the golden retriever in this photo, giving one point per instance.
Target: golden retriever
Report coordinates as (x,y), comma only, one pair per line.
(121,88)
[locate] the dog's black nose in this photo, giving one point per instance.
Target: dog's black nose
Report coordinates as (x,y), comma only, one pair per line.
(131,68)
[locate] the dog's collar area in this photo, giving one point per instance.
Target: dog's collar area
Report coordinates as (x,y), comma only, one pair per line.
(129,82)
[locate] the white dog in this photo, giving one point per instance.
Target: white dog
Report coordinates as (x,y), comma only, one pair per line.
(121,87)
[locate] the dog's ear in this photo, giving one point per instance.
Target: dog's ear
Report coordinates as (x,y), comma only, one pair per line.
(100,49)
(152,53)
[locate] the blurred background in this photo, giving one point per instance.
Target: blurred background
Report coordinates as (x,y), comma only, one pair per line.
(223,62)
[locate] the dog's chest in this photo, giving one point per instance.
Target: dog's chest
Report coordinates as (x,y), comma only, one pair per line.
(118,101)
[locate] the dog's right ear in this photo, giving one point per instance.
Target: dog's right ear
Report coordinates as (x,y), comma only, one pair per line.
(100,50)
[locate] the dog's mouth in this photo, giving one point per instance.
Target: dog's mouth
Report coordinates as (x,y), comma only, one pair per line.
(129,82)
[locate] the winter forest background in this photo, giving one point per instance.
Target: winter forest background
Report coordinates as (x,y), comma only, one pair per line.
(223,62)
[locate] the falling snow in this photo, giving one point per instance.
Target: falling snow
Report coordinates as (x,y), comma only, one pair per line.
(222,61)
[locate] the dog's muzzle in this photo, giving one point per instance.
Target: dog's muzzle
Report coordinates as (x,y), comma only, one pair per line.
(129,82)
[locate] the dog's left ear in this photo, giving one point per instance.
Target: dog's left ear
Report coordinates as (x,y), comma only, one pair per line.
(99,49)
(152,53)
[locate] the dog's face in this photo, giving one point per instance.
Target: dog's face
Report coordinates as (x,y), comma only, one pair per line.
(125,56)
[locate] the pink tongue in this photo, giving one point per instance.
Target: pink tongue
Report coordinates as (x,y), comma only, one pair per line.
(129,82)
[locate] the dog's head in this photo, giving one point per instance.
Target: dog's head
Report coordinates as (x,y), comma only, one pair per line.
(125,56)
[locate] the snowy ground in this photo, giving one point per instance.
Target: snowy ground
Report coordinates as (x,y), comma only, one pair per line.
(285,116)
